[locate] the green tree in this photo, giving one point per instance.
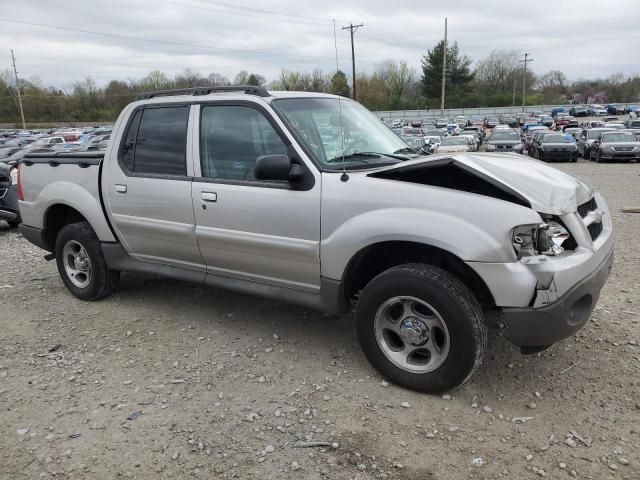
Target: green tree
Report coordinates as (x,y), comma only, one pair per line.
(339,84)
(458,75)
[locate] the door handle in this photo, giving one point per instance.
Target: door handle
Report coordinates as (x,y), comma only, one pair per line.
(211,197)
(121,188)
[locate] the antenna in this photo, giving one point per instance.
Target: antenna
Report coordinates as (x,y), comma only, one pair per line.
(344,177)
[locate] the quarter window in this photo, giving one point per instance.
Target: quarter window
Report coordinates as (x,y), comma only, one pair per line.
(232,137)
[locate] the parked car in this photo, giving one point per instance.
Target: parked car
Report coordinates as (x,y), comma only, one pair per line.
(270,212)
(531,139)
(441,122)
(586,139)
(511,122)
(453,144)
(616,146)
(596,110)
(615,109)
(556,110)
(9,210)
(406,131)
(555,146)
(611,119)
(473,140)
(579,111)
(633,123)
(593,124)
(522,117)
(479,131)
(547,121)
(491,122)
(504,141)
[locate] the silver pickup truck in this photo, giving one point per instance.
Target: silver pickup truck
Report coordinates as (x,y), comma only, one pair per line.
(310,199)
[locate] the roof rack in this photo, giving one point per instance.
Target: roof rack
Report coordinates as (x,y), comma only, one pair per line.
(247,89)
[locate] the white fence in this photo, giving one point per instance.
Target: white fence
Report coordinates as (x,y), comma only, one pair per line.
(454,112)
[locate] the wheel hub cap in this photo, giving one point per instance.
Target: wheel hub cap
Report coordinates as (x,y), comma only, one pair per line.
(414,331)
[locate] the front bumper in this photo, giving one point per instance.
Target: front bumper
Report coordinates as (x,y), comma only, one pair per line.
(536,327)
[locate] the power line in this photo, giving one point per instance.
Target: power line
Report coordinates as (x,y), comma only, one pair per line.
(244,14)
(141,39)
(352,29)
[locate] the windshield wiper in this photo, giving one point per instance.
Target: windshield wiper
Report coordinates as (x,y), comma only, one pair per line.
(406,150)
(354,155)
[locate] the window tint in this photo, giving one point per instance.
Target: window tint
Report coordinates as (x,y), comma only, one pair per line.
(126,158)
(232,138)
(161,143)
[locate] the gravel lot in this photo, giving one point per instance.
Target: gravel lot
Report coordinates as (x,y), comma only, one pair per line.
(167,379)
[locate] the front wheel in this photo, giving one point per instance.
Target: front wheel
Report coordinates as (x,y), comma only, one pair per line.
(81,263)
(421,328)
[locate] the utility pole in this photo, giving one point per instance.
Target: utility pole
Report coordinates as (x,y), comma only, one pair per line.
(444,68)
(524,79)
(24,125)
(353,28)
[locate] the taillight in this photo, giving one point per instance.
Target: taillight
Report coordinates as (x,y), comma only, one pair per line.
(20,194)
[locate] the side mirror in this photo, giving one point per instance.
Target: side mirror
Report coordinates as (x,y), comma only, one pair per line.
(277,167)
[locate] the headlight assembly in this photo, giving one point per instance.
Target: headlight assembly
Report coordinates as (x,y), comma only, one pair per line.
(539,239)
(14,176)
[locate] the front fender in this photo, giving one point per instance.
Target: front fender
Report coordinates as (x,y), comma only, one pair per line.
(456,235)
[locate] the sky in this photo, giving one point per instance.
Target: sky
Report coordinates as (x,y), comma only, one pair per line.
(124,39)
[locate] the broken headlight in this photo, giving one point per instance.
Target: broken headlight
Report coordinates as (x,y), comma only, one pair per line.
(539,239)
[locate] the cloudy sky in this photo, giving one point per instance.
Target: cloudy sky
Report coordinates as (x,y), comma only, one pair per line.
(61,42)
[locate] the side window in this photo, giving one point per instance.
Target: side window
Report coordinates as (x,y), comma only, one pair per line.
(161,143)
(232,137)
(128,148)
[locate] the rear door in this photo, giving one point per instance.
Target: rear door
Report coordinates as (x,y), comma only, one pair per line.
(254,230)
(148,188)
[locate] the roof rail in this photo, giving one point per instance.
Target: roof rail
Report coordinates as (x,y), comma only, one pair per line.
(247,89)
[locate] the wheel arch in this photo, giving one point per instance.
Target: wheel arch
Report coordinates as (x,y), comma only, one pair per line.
(374,259)
(56,217)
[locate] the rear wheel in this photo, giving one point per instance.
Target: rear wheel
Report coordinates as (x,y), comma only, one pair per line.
(81,263)
(421,328)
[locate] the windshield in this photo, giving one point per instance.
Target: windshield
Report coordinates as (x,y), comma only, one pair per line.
(318,123)
(454,141)
(619,137)
(558,139)
(502,136)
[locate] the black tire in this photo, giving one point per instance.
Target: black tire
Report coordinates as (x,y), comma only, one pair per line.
(103,281)
(599,158)
(13,224)
(458,308)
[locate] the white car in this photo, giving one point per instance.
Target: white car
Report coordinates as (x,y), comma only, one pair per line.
(454,144)
(599,110)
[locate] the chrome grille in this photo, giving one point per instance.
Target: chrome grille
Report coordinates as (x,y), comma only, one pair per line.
(585,208)
(595,229)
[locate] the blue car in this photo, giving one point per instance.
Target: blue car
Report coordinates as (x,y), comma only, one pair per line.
(557,110)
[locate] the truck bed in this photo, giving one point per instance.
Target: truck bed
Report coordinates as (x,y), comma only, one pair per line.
(50,180)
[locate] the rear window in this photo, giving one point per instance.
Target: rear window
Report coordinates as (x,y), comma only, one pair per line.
(156,142)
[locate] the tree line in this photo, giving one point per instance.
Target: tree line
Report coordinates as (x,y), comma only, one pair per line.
(494,81)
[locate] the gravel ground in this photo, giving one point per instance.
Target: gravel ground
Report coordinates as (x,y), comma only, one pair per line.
(167,379)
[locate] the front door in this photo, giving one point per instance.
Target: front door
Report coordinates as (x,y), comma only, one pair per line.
(250,229)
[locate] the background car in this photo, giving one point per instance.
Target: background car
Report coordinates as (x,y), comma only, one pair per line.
(504,141)
(616,146)
(555,146)
(453,144)
(9,211)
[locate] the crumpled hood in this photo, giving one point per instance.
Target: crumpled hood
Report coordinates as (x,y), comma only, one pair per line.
(547,189)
